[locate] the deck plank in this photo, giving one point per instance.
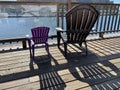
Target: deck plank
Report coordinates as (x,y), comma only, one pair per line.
(99,70)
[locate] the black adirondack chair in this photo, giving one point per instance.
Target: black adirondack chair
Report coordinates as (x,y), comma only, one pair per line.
(79,22)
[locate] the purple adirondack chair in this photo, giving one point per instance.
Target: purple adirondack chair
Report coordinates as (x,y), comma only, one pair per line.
(39,36)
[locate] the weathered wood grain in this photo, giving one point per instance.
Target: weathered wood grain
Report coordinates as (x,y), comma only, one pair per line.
(99,70)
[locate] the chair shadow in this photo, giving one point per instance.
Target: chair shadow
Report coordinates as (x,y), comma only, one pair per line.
(77,53)
(100,75)
(49,78)
(96,76)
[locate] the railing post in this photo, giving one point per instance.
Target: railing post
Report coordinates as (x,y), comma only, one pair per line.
(58,37)
(57,15)
(24,44)
(101,34)
(69,4)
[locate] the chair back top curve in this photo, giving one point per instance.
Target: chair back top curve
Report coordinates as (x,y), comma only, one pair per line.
(79,21)
(40,34)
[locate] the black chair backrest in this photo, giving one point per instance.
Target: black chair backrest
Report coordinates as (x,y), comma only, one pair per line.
(80,20)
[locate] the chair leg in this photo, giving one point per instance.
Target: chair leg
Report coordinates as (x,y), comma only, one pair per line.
(29,43)
(58,41)
(30,52)
(86,48)
(33,51)
(65,48)
(80,44)
(47,48)
(58,38)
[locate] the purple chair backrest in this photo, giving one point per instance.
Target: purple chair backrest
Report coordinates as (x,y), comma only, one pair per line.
(40,34)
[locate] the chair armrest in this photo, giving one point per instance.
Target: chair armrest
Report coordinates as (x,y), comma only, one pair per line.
(93,30)
(58,29)
(29,39)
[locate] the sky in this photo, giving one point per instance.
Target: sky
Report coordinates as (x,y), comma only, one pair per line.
(115,1)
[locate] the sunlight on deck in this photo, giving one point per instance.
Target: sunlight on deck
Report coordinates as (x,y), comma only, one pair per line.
(98,70)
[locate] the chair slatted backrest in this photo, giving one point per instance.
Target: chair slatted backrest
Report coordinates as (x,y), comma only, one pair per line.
(80,20)
(40,34)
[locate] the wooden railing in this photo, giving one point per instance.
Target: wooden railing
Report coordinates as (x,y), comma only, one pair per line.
(23,40)
(109,20)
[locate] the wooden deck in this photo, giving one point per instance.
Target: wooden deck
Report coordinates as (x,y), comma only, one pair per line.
(100,70)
